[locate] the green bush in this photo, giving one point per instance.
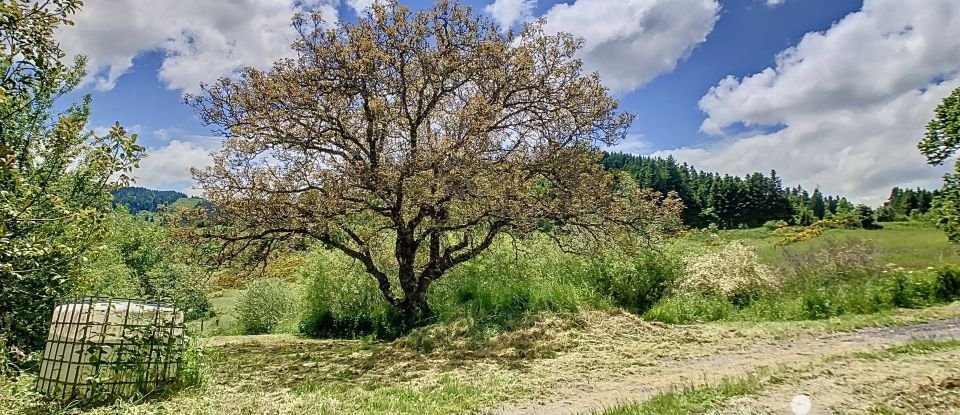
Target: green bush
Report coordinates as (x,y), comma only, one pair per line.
(264,305)
(911,290)
(638,282)
(139,259)
(343,301)
(948,283)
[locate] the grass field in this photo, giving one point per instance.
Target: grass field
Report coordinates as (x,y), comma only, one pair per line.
(907,244)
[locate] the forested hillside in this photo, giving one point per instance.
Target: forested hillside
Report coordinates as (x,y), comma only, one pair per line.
(139,199)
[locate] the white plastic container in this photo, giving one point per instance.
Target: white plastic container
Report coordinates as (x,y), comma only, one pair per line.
(118,345)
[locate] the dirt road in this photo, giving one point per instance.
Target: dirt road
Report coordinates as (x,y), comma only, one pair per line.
(595,394)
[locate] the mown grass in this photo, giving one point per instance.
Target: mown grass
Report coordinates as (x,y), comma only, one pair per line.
(915,347)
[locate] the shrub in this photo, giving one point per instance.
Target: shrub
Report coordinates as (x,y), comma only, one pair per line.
(816,305)
(636,284)
(948,283)
(733,272)
(264,305)
(182,285)
(343,301)
(908,289)
(140,260)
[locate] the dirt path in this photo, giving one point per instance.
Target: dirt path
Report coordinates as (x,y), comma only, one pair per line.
(591,395)
(917,383)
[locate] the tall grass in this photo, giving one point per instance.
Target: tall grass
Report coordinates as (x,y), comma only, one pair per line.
(514,280)
(497,290)
(836,278)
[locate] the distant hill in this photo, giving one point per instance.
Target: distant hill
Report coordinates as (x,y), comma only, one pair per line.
(140,199)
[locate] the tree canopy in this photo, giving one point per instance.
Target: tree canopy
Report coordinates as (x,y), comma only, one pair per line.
(941,142)
(410,141)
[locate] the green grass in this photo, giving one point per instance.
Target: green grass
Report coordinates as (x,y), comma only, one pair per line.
(894,270)
(224,321)
(186,202)
(693,399)
(912,245)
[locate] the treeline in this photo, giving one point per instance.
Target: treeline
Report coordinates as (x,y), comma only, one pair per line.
(139,199)
(729,201)
(904,204)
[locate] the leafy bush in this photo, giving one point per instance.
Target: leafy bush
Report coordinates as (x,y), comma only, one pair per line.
(948,283)
(342,300)
(264,305)
(638,282)
(733,272)
(911,290)
(139,259)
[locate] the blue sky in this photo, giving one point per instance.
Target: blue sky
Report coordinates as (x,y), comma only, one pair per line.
(830,93)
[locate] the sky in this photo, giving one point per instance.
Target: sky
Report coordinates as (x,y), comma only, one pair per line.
(829,93)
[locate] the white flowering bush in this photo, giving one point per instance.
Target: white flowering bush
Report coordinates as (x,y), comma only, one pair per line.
(733,271)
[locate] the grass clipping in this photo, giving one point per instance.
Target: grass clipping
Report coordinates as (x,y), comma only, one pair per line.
(541,335)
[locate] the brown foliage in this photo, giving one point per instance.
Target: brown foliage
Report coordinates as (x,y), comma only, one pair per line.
(409,141)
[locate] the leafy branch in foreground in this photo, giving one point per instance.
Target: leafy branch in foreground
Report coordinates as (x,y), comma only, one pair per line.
(941,142)
(55,176)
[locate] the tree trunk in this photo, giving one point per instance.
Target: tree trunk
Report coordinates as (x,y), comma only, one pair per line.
(415,310)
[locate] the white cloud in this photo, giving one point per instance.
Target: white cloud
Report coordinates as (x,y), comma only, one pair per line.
(510,12)
(852,102)
(168,167)
(630,42)
(359,6)
(773,3)
(633,143)
(200,40)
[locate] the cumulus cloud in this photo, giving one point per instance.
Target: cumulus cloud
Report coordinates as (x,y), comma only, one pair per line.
(359,6)
(168,166)
(773,3)
(200,40)
(852,102)
(510,12)
(630,42)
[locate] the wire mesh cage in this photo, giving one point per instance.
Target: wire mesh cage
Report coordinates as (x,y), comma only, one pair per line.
(111,347)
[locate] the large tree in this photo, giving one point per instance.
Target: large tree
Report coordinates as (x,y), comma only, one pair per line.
(410,141)
(941,142)
(55,176)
